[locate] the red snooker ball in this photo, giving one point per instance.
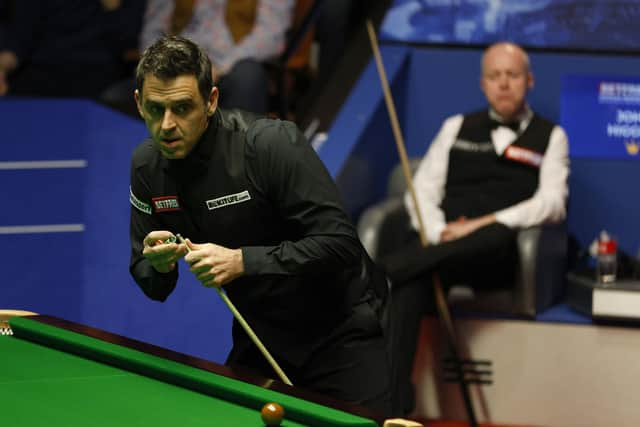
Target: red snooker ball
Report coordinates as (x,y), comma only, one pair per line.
(272,414)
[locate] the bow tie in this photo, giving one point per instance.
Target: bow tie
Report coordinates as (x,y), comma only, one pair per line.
(514,126)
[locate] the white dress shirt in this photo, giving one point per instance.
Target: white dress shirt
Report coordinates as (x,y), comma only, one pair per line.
(547,205)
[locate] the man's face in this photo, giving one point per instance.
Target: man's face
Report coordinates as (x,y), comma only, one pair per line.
(175,113)
(505,79)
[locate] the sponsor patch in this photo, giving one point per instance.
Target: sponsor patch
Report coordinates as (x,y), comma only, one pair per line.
(523,155)
(475,147)
(166,203)
(227,200)
(139,204)
(619,93)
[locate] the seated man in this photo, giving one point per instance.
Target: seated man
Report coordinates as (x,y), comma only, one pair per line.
(485,175)
(65,48)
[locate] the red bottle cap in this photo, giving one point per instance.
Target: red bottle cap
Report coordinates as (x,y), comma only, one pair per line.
(607,247)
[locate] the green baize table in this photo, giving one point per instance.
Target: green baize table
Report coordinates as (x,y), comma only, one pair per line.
(58,373)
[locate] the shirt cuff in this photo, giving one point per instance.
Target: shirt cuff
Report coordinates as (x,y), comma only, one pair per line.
(435,232)
(507,218)
(433,229)
(253,259)
(154,284)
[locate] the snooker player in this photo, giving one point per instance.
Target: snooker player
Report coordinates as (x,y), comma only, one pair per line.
(265,223)
(486,175)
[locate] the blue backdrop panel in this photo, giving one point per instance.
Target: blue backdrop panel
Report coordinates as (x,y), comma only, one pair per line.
(42,196)
(358,181)
(360,150)
(83,276)
(602,114)
(550,68)
(363,110)
(376,146)
(603,196)
(42,129)
(442,82)
(42,272)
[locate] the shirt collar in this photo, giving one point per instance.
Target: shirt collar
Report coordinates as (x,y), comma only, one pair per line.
(523,118)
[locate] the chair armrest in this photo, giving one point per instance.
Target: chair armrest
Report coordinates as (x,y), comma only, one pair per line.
(540,280)
(373,221)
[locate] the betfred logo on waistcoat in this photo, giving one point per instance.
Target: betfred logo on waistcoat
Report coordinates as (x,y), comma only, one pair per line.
(230,199)
(166,204)
(523,155)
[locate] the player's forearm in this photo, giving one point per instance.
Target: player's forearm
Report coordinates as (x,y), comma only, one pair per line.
(463,227)
(309,255)
(155,285)
(483,221)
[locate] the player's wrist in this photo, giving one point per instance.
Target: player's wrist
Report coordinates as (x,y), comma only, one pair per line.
(164,269)
(239,261)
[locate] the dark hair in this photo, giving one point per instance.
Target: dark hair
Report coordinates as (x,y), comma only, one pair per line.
(173,56)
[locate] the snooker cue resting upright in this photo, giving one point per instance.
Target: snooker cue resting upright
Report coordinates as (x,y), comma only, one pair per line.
(246,327)
(441,302)
(397,133)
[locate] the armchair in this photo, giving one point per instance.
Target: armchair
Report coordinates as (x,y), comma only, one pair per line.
(542,250)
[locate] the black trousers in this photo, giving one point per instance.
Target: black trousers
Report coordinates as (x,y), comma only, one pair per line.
(484,259)
(351,364)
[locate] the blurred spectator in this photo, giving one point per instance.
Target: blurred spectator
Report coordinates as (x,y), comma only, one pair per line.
(66,48)
(335,24)
(6,11)
(333,28)
(239,36)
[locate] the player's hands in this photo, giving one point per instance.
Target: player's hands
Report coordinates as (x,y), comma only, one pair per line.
(454,230)
(463,227)
(162,256)
(214,265)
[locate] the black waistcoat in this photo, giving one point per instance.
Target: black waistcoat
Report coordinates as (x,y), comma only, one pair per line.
(481,182)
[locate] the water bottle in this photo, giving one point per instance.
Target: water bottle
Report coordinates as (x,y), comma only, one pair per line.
(607,259)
